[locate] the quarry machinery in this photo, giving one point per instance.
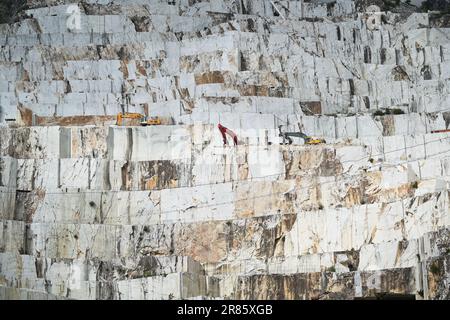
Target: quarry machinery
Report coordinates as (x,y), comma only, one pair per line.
(144,120)
(223,130)
(153,121)
(308,140)
(440,131)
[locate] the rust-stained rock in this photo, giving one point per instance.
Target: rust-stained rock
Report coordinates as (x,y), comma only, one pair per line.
(388,125)
(146,175)
(356,195)
(209,77)
(75,121)
(26,116)
(394,281)
(90,209)
(279,198)
(205,242)
(88,142)
(279,287)
(321,161)
(372,193)
(326,285)
(27,203)
(253,90)
(124,70)
(438,271)
(399,73)
(258,237)
(311,107)
(159,175)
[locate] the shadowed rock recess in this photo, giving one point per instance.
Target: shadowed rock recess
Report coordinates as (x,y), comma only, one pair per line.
(92,210)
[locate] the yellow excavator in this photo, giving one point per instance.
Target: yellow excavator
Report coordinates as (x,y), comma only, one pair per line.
(308,140)
(144,120)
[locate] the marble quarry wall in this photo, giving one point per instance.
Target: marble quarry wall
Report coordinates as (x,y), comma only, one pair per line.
(93,210)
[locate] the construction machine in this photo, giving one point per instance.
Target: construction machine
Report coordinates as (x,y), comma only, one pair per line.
(152,121)
(224,131)
(308,140)
(143,120)
(440,131)
(127,115)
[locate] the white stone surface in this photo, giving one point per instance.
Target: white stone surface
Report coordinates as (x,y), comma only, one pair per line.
(167,211)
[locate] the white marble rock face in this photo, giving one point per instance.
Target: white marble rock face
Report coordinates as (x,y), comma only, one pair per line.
(92,210)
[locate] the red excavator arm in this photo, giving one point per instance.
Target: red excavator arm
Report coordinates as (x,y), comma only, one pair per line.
(225,131)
